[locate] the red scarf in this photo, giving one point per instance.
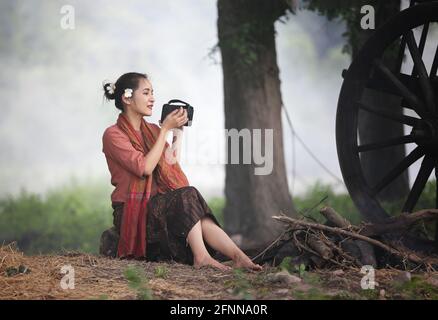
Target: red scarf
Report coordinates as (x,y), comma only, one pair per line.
(168,177)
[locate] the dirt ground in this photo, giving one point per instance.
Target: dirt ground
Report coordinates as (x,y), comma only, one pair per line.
(96,277)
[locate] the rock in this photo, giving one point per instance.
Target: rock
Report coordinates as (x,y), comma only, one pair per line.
(283,277)
(382,294)
(109,241)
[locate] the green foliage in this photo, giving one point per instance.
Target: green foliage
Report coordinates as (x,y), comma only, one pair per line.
(286,265)
(301,270)
(246,41)
(427,198)
(311,294)
(71,217)
(312,278)
(341,202)
(138,281)
(426,201)
(242,41)
(417,289)
(369,294)
(217,206)
(161,272)
(349,11)
(346,10)
(74,216)
(240,285)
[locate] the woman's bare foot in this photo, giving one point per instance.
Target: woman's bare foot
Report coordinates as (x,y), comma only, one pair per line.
(209,261)
(243,261)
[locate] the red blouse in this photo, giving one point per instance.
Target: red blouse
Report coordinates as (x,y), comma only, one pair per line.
(123,160)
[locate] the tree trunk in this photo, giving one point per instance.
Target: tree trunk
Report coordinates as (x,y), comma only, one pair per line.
(376,164)
(253,101)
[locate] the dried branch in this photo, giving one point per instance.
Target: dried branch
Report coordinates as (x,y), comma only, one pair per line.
(404,255)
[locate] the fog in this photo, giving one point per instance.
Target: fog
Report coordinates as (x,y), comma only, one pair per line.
(54,113)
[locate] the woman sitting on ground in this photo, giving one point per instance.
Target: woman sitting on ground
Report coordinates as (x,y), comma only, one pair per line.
(157,214)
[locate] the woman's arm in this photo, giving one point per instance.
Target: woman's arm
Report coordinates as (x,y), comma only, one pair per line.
(175,148)
(174,120)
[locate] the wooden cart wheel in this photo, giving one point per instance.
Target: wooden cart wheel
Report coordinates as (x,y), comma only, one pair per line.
(418,92)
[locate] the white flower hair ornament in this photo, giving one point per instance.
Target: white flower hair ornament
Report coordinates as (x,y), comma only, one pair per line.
(111,88)
(128,93)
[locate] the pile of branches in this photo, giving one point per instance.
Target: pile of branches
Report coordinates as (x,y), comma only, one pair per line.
(339,243)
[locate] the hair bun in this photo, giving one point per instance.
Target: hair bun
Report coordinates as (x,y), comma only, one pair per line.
(109,88)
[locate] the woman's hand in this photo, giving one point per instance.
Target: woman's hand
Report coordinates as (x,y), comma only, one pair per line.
(173,121)
(176,119)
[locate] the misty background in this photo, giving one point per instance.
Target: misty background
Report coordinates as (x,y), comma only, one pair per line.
(54,113)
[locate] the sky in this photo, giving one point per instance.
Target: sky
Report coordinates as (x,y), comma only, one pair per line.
(54,113)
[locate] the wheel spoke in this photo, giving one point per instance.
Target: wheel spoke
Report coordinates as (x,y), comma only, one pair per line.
(401,55)
(422,44)
(388,143)
(426,169)
(434,68)
(421,69)
(400,118)
(416,154)
(423,38)
(402,89)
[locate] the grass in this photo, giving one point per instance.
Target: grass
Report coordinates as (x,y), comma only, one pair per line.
(138,281)
(71,217)
(240,285)
(299,270)
(311,294)
(161,272)
(417,289)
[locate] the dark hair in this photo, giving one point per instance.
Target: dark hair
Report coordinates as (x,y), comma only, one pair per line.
(128,80)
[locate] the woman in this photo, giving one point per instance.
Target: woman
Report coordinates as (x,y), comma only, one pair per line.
(157,214)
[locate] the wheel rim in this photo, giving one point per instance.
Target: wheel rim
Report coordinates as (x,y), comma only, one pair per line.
(418,91)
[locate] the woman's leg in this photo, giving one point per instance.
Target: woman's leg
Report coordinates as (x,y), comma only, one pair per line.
(201,257)
(220,241)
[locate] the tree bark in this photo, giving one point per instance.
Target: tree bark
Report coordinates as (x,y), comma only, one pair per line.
(253,101)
